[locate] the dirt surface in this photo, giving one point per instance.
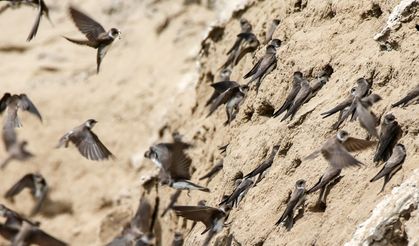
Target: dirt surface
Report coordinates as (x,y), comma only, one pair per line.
(149,80)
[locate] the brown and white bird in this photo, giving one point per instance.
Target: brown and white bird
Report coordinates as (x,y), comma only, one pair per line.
(174,165)
(296,86)
(272,27)
(336,150)
(390,133)
(329,176)
(16,150)
(97,36)
(13,103)
(412,96)
(264,166)
(37,185)
(297,200)
(366,117)
(86,142)
(303,93)
(239,192)
(392,165)
(265,65)
(42,10)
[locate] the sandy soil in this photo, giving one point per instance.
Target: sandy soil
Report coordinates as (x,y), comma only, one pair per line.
(147,81)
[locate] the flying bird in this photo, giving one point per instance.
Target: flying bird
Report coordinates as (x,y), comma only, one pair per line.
(264,166)
(97,36)
(366,117)
(16,151)
(271,30)
(336,150)
(174,165)
(297,200)
(86,142)
(42,11)
(265,65)
(390,133)
(38,187)
(13,103)
(408,99)
(392,165)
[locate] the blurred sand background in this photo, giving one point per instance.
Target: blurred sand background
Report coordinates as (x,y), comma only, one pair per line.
(150,80)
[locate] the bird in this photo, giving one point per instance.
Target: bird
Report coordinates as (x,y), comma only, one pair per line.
(38,187)
(86,142)
(239,192)
(336,150)
(299,99)
(232,95)
(263,167)
(214,170)
(13,103)
(177,239)
(390,133)
(366,117)
(296,86)
(21,231)
(16,150)
(265,65)
(219,89)
(212,218)
(341,106)
(392,165)
(220,86)
(97,36)
(330,175)
(140,228)
(200,203)
(318,83)
(408,99)
(297,200)
(174,165)
(42,11)
(249,44)
(272,27)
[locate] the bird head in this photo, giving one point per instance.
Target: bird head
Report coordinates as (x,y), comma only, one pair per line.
(90,123)
(300,184)
(275,148)
(276,43)
(353,90)
(401,146)
(245,25)
(276,21)
(225,73)
(298,75)
(114,33)
(2,210)
(389,118)
(342,136)
(270,49)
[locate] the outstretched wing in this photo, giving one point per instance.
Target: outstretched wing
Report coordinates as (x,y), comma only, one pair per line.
(89,27)
(90,146)
(26,104)
(25,182)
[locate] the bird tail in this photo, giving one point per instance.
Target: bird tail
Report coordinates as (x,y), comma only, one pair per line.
(80,42)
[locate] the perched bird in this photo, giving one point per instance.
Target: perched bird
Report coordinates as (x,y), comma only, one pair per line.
(329,176)
(212,218)
(86,142)
(13,103)
(174,165)
(249,44)
(336,150)
(42,10)
(97,36)
(296,86)
(214,170)
(318,83)
(264,166)
(299,99)
(408,99)
(140,229)
(239,192)
(21,231)
(37,185)
(173,199)
(220,86)
(232,95)
(16,149)
(297,200)
(390,133)
(271,30)
(177,239)
(265,65)
(392,165)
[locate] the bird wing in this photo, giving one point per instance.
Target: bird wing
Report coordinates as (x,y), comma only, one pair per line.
(346,103)
(26,104)
(35,26)
(3,101)
(313,155)
(39,237)
(224,85)
(90,146)
(203,214)
(40,200)
(89,27)
(236,45)
(290,98)
(410,95)
(340,158)
(254,69)
(142,217)
(355,144)
(180,162)
(367,119)
(388,137)
(221,99)
(9,136)
(25,182)
(294,200)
